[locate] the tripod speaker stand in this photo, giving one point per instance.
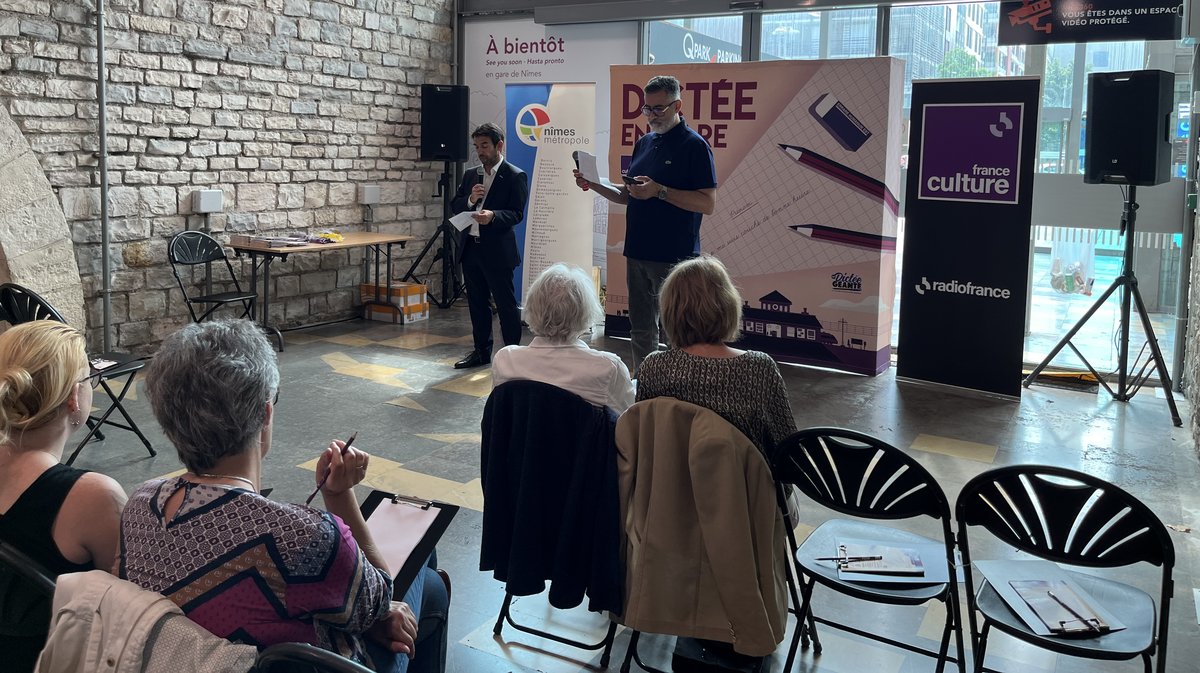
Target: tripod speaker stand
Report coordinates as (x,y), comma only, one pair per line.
(1127,283)
(447,237)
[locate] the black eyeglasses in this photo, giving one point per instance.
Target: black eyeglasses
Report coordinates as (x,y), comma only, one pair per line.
(275,400)
(657,109)
(92,379)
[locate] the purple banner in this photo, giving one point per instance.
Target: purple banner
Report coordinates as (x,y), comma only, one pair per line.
(968,206)
(971,152)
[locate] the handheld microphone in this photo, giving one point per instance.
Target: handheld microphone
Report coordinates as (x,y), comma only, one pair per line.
(479,174)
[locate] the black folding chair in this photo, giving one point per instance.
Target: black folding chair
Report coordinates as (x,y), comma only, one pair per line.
(190,248)
(527,424)
(26,592)
(303,658)
(861,476)
(19,305)
(1073,518)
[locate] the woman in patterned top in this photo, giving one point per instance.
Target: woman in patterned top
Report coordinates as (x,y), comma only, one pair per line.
(247,568)
(63,518)
(701,310)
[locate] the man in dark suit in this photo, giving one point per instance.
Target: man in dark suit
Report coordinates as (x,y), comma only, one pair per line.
(496,193)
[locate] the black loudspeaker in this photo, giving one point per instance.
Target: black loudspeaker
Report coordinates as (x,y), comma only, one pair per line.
(1128,139)
(444,132)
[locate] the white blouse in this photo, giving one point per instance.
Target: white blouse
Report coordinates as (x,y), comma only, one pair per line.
(598,377)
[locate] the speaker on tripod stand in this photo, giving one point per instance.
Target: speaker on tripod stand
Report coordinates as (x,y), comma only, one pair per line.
(444,137)
(1127,144)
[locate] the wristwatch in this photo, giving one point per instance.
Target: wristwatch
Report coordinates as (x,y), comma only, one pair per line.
(662,193)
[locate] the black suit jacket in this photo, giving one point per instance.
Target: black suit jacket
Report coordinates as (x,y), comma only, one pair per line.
(497,245)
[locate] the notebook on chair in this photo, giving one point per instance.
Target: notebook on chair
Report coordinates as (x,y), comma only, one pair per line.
(405,531)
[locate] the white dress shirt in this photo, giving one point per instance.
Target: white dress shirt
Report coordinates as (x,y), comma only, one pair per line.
(488,178)
(598,377)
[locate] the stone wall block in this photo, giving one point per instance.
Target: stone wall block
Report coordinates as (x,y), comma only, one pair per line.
(73,89)
(159,200)
(291,196)
(144,254)
(133,334)
(205,49)
(169,147)
(256,197)
(317,281)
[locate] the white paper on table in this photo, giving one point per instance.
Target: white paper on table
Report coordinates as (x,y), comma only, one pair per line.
(463,220)
(587,166)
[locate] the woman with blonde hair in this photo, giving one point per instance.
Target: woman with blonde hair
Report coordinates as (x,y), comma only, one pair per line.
(560,308)
(701,311)
(65,519)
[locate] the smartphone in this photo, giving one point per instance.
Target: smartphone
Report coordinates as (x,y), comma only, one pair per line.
(630,180)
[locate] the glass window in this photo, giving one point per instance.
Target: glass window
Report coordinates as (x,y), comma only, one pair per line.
(710,39)
(1073,266)
(946,41)
(841,33)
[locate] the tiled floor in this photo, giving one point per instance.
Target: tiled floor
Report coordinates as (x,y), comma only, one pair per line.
(395,386)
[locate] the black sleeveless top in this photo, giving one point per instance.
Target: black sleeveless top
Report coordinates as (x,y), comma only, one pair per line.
(27,525)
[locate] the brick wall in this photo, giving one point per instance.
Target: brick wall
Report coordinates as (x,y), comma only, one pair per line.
(284,105)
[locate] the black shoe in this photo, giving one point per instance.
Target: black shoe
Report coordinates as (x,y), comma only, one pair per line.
(473,359)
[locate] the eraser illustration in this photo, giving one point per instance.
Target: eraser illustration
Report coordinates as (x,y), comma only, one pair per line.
(840,122)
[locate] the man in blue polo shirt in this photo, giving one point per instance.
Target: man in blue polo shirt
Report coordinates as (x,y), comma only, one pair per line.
(670,185)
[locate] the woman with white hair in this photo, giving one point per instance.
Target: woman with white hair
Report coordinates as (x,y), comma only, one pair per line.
(561,308)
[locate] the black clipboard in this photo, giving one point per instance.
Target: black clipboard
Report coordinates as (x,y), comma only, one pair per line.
(395,532)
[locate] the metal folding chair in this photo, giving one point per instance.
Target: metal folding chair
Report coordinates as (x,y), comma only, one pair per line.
(19,305)
(517,432)
(861,476)
(1073,518)
(190,248)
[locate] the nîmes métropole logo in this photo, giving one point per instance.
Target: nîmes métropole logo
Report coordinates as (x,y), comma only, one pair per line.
(530,121)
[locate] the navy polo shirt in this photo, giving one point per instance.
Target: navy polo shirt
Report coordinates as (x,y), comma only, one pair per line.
(655,230)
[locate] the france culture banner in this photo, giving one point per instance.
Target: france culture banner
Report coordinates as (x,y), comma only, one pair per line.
(966,233)
(546,123)
(808,165)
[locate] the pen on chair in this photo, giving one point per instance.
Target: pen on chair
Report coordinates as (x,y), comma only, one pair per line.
(329,470)
(1071,610)
(849,559)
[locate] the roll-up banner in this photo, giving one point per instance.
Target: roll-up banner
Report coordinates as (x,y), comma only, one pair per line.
(546,123)
(808,164)
(966,233)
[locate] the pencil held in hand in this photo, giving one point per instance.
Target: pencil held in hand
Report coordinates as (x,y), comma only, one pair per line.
(329,470)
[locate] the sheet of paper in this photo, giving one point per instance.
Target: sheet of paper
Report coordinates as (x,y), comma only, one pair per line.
(463,220)
(587,166)
(397,529)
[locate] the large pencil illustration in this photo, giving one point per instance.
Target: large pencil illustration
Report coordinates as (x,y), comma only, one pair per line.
(850,237)
(856,180)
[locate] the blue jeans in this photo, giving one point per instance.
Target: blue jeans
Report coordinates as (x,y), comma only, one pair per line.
(428,599)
